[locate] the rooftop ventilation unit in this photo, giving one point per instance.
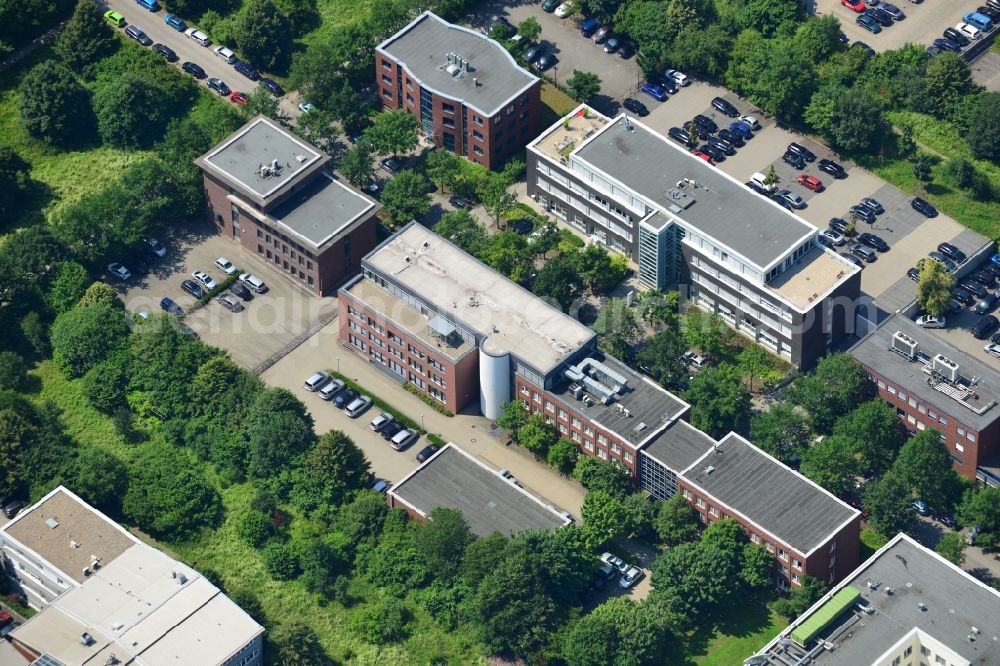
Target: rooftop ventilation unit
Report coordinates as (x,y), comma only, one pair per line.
(300,158)
(904,345)
(52,523)
(945,366)
(709,469)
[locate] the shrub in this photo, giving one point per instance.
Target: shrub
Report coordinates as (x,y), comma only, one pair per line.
(254,528)
(431,402)
(382,621)
(13,370)
(281,561)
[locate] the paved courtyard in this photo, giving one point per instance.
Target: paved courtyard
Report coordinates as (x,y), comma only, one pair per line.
(923,24)
(270,322)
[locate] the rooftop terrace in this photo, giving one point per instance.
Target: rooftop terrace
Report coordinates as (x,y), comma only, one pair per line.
(564,137)
(812,277)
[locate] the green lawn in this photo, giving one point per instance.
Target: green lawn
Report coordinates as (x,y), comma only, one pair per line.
(745,630)
(240,566)
(555,104)
(870,542)
(335,14)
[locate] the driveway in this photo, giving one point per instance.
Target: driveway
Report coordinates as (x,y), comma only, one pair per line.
(984,566)
(986,71)
(153,25)
(270,322)
(924,22)
(619,78)
(472,432)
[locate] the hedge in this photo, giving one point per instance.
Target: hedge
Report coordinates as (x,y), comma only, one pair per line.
(428,400)
(381,404)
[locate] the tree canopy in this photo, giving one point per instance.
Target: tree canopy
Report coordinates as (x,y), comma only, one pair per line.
(405,196)
(53,106)
(263,34)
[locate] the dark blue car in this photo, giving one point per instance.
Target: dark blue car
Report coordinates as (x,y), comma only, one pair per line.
(655,91)
(589,27)
(170,306)
(740,127)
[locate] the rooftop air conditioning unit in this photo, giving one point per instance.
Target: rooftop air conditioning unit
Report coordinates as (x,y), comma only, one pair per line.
(946,367)
(904,344)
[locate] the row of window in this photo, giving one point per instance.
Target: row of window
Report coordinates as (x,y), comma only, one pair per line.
(287,267)
(906,400)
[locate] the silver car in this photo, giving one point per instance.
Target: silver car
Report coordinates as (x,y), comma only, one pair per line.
(230,302)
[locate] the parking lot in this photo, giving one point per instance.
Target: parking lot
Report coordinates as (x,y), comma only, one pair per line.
(269,322)
(573,51)
(923,24)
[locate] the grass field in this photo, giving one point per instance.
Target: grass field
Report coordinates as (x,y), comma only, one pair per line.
(240,566)
(335,14)
(555,104)
(870,542)
(737,633)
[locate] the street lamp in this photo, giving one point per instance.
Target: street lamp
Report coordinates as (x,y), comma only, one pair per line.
(555,74)
(338,364)
(422,422)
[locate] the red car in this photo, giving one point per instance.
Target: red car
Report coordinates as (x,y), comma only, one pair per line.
(810,183)
(856,5)
(698,153)
(238,98)
(5,619)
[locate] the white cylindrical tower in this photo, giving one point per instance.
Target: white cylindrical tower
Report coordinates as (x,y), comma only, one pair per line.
(494,380)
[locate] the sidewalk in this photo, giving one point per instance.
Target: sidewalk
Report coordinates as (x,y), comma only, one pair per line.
(324,351)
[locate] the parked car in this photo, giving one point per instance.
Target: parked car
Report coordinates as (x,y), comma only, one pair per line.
(545,61)
(921,507)
(678,77)
(589,27)
(913,274)
(316,381)
(947,44)
(358,406)
(549,6)
(390,164)
(872,205)
(984,327)
(381,421)
(956,36)
(883,18)
(167,305)
(230,302)
(246,70)
(166,52)
(752,121)
(626,50)
(460,203)
(974,288)
(612,45)
(856,5)
(952,252)
(403,439)
(114,18)
(725,107)
(810,182)
(969,31)
(723,145)
(962,296)
(862,213)
(533,53)
(119,271)
(680,136)
(895,12)
(241,291)
(869,23)
(219,86)
(272,86)
(205,279)
(742,129)
(930,321)
(5,619)
(390,429)
(980,21)
(993,349)
(834,237)
(801,151)
(864,252)
(193,288)
(923,207)
(655,91)
(871,240)
(630,578)
(134,32)
(853,259)
(734,139)
(156,247)
(194,70)
(238,98)
(841,226)
(13,508)
(620,565)
(253,282)
(306,107)
(832,168)
(700,130)
(635,106)
(707,123)
(344,397)
(330,389)
(198,37)
(426,453)
(970,538)
(985,278)
(793,160)
(792,199)
(702,156)
(987,304)
(601,34)
(712,151)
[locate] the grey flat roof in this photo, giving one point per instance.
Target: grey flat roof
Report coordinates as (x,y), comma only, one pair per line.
(648,405)
(772,496)
(723,209)
(873,352)
(422,48)
(454,479)
(955,603)
(238,158)
(323,210)
(679,446)
(459,286)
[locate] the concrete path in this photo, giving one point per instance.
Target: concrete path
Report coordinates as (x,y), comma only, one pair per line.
(472,433)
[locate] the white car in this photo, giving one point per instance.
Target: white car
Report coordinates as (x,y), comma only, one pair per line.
(834,237)
(751,121)
(930,321)
(198,36)
(618,563)
(678,77)
(119,271)
(205,279)
(225,53)
(630,578)
(254,282)
(697,360)
(510,478)
(970,31)
(563,10)
(993,349)
(306,107)
(225,265)
(157,247)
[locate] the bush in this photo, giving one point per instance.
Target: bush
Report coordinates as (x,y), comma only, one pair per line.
(281,561)
(380,622)
(53,106)
(104,386)
(249,602)
(428,400)
(130,112)
(254,528)
(13,370)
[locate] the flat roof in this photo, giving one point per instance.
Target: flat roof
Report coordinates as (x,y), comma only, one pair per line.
(635,413)
(679,446)
(769,494)
(52,526)
(429,47)
(509,317)
(976,407)
(912,588)
(454,479)
(405,316)
(241,157)
(323,210)
(812,277)
(722,208)
(145,607)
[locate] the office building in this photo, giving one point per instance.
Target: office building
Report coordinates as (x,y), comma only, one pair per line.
(107,598)
(693,227)
(904,606)
(273,194)
(931,383)
(467,92)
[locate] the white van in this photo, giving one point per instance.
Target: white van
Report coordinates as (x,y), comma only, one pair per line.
(761,180)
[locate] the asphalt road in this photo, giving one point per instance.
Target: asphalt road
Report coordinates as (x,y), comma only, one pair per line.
(187,50)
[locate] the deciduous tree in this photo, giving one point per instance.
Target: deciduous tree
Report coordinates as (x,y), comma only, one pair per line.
(536,435)
(832,463)
(952,548)
(463,229)
(605,517)
(405,196)
(832,389)
(13,370)
(780,431)
(328,473)
(663,354)
(934,287)
(924,466)
(393,132)
(497,199)
(53,106)
(443,168)
(889,502)
(357,164)
(84,336)
(597,474)
(617,327)
(984,129)
(86,39)
(560,281)
(263,34)
(720,402)
(15,177)
(442,541)
(563,455)
(619,632)
(676,521)
(583,85)
(68,286)
(876,433)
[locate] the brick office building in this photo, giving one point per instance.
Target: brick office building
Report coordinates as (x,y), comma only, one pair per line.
(468,93)
(931,383)
(273,194)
